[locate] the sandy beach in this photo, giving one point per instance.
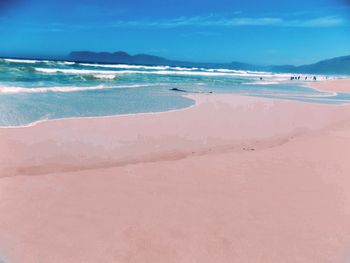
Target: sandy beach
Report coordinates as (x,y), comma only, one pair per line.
(337,85)
(232,179)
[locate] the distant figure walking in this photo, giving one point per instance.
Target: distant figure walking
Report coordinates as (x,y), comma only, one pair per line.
(261,78)
(299,78)
(315,78)
(306,78)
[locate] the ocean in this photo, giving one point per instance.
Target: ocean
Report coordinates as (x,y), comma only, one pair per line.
(36,90)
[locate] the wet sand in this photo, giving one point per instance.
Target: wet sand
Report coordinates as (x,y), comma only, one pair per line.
(337,85)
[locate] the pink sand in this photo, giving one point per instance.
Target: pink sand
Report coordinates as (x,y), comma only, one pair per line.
(337,85)
(234,179)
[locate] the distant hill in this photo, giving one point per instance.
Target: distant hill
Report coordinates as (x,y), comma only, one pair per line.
(117,57)
(144,59)
(339,65)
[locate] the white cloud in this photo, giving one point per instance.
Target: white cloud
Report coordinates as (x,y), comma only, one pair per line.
(215,21)
(319,22)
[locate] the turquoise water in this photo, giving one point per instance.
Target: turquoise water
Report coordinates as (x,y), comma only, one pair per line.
(32,90)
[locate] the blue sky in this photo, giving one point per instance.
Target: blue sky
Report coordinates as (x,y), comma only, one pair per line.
(262,32)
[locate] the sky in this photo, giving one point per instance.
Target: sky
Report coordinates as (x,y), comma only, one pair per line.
(253,31)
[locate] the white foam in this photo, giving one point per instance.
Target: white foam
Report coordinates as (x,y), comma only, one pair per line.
(209,73)
(125,66)
(26,61)
(324,95)
(157,72)
(66,63)
(104,76)
(262,83)
(15,90)
(73,71)
(186,69)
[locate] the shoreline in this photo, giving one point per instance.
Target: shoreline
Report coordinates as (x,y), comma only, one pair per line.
(319,86)
(337,85)
(231,178)
(35,123)
(127,142)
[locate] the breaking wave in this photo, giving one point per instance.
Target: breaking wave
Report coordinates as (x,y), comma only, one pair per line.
(209,73)
(24,61)
(124,66)
(15,90)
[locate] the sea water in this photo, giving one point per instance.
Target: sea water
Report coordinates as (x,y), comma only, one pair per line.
(34,90)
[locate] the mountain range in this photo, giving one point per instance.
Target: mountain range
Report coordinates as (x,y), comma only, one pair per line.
(338,65)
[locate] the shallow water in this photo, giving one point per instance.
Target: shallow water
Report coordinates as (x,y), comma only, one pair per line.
(32,90)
